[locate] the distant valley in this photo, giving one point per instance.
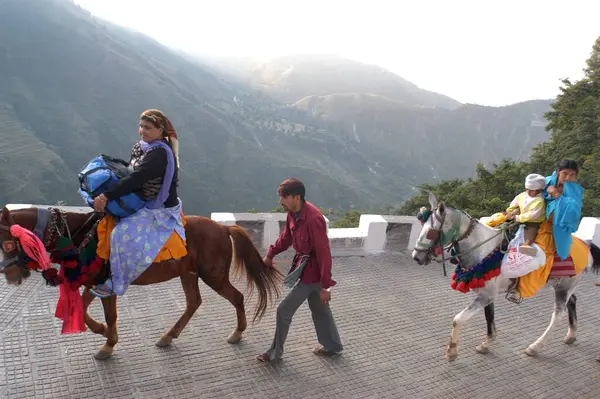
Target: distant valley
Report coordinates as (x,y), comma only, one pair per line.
(72,86)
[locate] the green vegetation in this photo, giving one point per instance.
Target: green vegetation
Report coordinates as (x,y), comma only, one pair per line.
(349,219)
(575,124)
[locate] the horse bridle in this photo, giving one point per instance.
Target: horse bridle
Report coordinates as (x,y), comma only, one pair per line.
(51,223)
(436,236)
(442,240)
(9,246)
(47,226)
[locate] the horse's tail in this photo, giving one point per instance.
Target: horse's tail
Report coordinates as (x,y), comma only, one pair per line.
(595,250)
(246,258)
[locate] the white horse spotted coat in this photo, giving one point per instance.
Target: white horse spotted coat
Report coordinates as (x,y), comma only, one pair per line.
(476,241)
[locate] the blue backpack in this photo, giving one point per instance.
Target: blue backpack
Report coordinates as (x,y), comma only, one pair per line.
(100,174)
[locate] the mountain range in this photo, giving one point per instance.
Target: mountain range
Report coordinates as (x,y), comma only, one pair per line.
(73,86)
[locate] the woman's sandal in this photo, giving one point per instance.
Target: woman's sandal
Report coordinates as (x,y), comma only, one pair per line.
(103,291)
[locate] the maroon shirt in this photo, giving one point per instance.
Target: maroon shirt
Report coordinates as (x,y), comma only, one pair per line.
(308,235)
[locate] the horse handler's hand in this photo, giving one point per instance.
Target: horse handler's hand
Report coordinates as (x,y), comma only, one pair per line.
(268,262)
(325,296)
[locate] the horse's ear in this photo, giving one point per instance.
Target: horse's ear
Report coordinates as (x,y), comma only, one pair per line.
(7,217)
(432,200)
(5,214)
(441,208)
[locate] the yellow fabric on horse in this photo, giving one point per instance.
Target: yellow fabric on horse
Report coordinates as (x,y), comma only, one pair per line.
(531,283)
(174,248)
(496,219)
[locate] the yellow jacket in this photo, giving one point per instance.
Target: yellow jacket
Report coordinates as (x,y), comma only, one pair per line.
(531,209)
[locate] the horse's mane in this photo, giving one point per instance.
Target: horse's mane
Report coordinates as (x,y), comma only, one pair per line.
(476,220)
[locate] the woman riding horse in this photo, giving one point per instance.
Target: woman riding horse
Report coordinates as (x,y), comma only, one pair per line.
(156,232)
(564,198)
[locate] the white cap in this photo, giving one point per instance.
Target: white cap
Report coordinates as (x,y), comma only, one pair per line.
(535,182)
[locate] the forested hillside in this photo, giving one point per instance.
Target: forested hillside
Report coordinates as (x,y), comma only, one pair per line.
(575,125)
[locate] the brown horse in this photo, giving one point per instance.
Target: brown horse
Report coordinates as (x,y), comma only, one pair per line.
(209,257)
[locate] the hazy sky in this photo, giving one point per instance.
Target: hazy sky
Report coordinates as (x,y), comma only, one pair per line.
(485,52)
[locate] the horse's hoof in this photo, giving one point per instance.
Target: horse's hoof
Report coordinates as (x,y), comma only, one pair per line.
(451,355)
(451,358)
(235,337)
(164,341)
(531,352)
(481,348)
(104,353)
(570,340)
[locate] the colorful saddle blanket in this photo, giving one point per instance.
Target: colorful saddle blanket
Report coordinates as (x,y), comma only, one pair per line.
(562,268)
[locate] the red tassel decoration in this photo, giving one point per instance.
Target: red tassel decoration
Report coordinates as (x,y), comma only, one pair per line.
(32,245)
(70,264)
(33,266)
(52,278)
(70,309)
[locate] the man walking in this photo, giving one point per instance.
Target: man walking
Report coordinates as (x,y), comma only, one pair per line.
(306,231)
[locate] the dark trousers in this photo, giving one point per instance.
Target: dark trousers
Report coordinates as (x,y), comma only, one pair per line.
(531,230)
(327,332)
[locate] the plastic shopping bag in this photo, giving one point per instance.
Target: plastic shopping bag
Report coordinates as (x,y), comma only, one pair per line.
(516,264)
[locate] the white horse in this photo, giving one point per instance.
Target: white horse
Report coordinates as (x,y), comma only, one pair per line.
(477,240)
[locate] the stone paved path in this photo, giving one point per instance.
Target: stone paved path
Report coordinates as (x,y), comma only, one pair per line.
(394,318)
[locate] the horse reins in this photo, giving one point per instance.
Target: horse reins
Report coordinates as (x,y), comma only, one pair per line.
(437,237)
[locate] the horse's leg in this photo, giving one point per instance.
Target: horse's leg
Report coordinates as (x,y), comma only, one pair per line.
(479,303)
(236,298)
(87,298)
(572,333)
(193,300)
(561,294)
(484,347)
(110,314)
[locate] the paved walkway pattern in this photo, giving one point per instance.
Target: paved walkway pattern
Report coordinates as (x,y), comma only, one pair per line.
(394,317)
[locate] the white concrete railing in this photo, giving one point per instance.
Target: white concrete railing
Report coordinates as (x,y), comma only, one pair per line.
(375,233)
